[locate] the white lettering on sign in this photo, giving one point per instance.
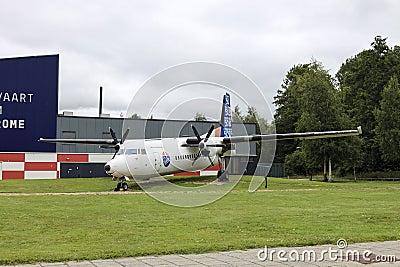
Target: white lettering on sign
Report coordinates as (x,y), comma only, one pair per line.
(12,124)
(16,97)
(13,97)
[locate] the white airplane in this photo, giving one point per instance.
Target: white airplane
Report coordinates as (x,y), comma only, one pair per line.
(146,158)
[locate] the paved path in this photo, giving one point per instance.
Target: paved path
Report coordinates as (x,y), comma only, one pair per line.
(385,252)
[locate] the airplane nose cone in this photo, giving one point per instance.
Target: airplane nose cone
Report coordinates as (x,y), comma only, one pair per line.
(107,168)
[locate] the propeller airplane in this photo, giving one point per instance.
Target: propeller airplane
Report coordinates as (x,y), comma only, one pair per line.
(147,158)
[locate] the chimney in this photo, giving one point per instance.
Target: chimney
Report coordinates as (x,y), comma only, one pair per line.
(101,101)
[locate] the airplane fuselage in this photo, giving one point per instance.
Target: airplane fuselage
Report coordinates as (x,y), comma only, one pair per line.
(145,158)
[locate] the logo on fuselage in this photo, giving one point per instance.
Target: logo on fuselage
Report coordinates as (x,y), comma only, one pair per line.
(166,159)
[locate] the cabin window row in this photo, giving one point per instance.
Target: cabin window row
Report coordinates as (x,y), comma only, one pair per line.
(134,151)
(188,156)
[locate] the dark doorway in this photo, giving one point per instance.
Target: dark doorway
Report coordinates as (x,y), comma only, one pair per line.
(82,170)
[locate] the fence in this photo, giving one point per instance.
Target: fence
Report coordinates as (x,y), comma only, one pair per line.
(276,170)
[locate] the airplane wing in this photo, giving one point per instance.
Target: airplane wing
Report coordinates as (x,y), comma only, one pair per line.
(78,141)
(286,136)
(107,143)
(192,142)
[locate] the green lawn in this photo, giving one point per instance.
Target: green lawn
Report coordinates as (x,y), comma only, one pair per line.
(288,213)
(57,186)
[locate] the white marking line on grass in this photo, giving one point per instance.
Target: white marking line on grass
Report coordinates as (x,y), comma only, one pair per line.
(68,194)
(169,192)
(131,192)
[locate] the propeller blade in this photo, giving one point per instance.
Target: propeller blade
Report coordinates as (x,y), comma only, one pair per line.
(196,133)
(196,158)
(116,147)
(113,136)
(209,133)
(212,164)
(125,135)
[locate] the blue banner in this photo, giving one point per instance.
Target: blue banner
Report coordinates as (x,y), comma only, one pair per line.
(28,103)
(226,117)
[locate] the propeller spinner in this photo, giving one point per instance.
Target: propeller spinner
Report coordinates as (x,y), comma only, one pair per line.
(116,144)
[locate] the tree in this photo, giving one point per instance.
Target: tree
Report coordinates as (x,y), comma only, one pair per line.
(237,114)
(380,46)
(135,116)
(311,102)
(200,117)
(361,81)
(320,111)
(295,163)
(287,110)
(388,124)
(252,116)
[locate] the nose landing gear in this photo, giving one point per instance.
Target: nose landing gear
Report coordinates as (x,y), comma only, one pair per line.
(122,184)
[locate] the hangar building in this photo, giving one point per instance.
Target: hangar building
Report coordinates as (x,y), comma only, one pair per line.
(28,111)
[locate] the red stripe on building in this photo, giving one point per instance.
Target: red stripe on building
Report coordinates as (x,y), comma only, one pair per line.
(12,157)
(73,158)
(13,175)
(214,168)
(40,166)
(196,173)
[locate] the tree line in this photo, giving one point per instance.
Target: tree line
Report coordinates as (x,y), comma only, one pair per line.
(365,91)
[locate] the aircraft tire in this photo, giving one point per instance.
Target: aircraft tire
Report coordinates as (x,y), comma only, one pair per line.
(118,187)
(125,186)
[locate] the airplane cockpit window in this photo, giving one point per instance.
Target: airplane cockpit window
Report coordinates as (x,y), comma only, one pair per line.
(143,151)
(121,151)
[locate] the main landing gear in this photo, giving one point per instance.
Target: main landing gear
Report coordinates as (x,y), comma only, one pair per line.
(222,174)
(122,184)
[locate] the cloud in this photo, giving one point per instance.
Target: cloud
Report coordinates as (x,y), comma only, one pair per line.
(120,44)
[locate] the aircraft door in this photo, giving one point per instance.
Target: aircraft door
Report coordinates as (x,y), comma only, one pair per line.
(157,161)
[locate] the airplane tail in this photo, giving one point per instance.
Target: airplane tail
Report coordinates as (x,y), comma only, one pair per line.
(226,118)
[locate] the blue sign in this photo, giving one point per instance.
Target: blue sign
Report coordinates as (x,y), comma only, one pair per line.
(166,159)
(28,103)
(226,117)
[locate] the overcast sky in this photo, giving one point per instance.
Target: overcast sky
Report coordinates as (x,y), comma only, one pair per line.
(120,44)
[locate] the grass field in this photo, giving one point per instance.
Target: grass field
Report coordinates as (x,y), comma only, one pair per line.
(52,228)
